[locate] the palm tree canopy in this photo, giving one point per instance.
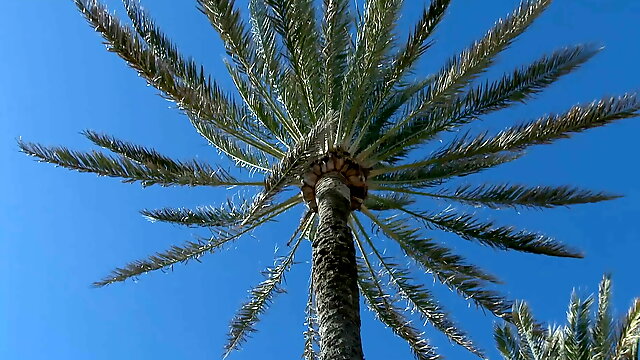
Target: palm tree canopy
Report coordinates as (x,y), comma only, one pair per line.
(585,336)
(333,91)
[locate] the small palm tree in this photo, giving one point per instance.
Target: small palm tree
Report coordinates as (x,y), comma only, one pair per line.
(584,337)
(327,107)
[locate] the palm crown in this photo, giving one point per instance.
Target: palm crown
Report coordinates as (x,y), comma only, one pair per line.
(583,337)
(335,94)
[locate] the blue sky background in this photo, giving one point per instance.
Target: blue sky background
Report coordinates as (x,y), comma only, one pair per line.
(59,230)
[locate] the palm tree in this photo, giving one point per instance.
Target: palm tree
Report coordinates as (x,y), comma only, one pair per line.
(327,107)
(584,337)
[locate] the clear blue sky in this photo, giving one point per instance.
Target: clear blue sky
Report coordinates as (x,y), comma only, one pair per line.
(59,230)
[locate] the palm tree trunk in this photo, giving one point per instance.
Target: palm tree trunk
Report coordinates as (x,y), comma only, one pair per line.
(335,273)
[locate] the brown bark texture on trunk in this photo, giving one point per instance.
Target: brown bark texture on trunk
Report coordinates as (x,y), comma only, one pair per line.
(335,274)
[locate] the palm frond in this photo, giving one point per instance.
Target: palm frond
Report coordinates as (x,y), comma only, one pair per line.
(381,119)
(191,250)
(387,312)
(418,297)
(289,168)
(487,233)
(603,329)
(544,130)
(296,23)
(462,69)
(242,155)
(154,160)
(198,96)
(514,196)
(311,336)
(577,337)
(389,201)
(336,48)
(508,342)
(516,87)
(375,36)
(435,174)
(451,270)
(417,43)
(532,339)
(226,215)
(148,168)
(629,334)
(262,295)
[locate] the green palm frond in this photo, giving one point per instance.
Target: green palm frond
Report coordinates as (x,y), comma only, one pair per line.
(514,196)
(242,156)
(336,86)
(146,166)
(296,23)
(418,297)
(375,37)
(385,309)
(582,337)
(192,250)
(508,342)
(179,80)
(227,215)
(451,270)
(629,334)
(530,332)
(240,46)
(512,88)
(154,160)
(544,130)
(603,330)
(262,295)
(464,68)
(311,336)
(577,337)
(435,174)
(416,45)
(336,49)
(389,201)
(503,237)
(290,167)
(405,93)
